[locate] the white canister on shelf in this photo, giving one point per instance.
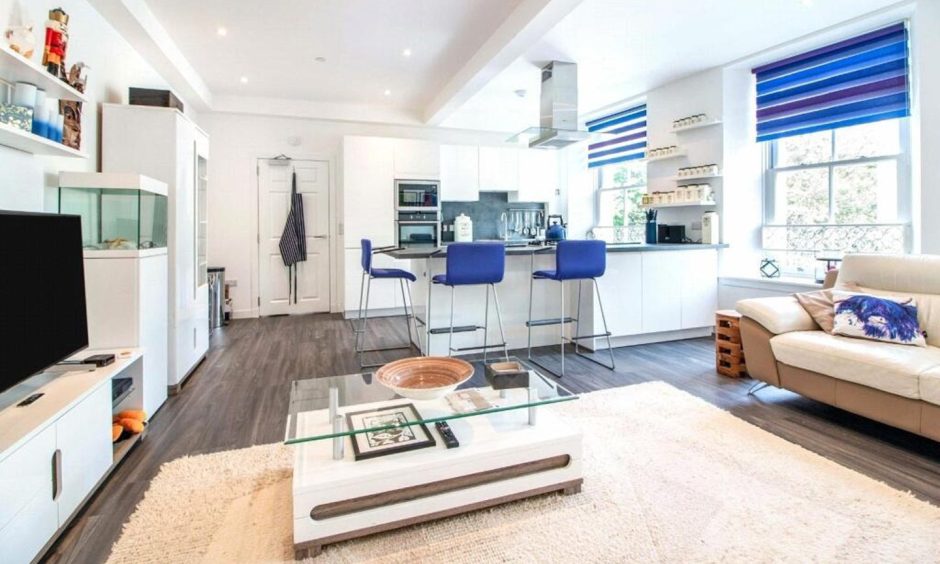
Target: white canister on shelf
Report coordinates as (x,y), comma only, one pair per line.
(24,94)
(463,229)
(710,228)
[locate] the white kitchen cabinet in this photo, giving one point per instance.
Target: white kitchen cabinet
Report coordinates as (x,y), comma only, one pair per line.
(499,169)
(175,146)
(368,190)
(460,173)
(662,306)
(699,287)
(416,159)
(538,175)
(621,290)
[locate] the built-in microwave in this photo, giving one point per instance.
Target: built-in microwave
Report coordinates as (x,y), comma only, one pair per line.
(417,195)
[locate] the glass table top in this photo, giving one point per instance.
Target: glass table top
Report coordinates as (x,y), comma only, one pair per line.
(366,406)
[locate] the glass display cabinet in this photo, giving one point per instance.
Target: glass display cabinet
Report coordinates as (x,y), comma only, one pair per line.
(120,212)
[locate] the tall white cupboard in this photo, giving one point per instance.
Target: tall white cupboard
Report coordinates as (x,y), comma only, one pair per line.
(164,144)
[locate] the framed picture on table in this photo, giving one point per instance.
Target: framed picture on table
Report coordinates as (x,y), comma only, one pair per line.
(393,432)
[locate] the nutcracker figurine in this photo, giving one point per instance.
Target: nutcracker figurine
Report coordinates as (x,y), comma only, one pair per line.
(57,40)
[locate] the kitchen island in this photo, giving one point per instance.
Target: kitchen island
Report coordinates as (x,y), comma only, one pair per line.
(651,293)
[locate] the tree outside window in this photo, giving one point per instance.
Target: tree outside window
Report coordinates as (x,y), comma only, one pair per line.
(620,188)
(841,190)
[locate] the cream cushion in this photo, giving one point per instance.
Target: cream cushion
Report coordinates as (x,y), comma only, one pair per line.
(778,315)
(884,366)
(930,386)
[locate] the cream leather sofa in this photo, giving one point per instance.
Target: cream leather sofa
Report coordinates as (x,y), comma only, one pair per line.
(895,384)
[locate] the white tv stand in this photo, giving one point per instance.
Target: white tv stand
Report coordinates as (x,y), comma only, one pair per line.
(56,451)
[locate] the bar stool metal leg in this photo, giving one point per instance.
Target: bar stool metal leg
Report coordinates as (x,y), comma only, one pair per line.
(606,334)
(499,318)
(486,321)
(610,349)
(529,324)
(561,325)
(577,321)
(414,320)
(450,338)
(360,347)
(404,302)
(357,324)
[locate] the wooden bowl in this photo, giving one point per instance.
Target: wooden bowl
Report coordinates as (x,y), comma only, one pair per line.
(424,377)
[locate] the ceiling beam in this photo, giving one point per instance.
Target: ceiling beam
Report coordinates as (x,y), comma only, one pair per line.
(134,21)
(524,27)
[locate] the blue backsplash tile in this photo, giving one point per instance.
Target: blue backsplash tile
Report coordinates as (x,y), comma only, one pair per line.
(485,212)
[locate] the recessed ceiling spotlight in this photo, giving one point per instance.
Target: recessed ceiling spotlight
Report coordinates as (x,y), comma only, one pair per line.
(222,32)
(520,93)
(388,92)
(244,80)
(406,52)
(320,59)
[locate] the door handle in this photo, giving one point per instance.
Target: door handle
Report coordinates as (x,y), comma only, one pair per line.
(320,237)
(56,474)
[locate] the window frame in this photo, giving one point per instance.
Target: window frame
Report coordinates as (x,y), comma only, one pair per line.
(904,194)
(599,190)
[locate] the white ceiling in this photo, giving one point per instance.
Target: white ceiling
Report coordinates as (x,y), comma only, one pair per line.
(626,47)
(468,56)
(274,43)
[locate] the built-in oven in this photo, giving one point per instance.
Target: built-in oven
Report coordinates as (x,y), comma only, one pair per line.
(417,195)
(418,229)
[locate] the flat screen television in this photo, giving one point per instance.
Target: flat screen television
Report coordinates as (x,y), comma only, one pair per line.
(42,288)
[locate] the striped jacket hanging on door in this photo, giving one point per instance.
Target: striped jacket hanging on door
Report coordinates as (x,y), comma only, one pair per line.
(293,243)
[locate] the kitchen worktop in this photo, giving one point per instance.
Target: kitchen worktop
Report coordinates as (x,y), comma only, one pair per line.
(425,252)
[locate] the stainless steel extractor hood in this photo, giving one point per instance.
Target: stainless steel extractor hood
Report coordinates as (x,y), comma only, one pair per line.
(558,118)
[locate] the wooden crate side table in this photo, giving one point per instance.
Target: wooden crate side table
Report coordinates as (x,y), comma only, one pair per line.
(729,354)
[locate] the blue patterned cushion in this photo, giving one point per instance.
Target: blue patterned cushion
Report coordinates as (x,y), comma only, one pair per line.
(889,319)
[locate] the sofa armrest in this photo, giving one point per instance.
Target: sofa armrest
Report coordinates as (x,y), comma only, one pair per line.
(778,314)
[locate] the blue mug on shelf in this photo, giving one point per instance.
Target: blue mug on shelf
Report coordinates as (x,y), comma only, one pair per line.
(651,233)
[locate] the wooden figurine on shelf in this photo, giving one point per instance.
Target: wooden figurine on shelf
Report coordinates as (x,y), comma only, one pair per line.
(20,34)
(71,110)
(57,40)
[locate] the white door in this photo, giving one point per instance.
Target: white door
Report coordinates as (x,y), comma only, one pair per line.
(312,292)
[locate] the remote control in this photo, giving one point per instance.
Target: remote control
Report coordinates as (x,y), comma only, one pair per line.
(450,440)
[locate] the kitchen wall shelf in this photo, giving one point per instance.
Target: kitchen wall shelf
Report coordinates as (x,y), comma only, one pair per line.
(18,139)
(676,155)
(696,177)
(678,205)
(17,68)
(696,126)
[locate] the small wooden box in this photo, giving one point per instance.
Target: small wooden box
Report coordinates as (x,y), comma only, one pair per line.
(729,353)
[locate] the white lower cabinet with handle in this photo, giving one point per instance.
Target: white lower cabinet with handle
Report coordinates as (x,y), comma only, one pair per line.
(53,454)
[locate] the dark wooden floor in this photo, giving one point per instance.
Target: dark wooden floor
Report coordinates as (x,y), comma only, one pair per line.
(238,397)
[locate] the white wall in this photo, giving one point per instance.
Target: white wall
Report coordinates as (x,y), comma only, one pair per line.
(28,182)
(238,141)
(926,160)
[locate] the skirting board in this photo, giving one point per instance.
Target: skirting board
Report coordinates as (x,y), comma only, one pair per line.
(174,389)
(647,338)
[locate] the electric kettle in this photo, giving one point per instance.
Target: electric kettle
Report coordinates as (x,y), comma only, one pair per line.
(556,228)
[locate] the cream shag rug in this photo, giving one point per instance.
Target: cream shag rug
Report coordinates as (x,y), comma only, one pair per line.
(668,477)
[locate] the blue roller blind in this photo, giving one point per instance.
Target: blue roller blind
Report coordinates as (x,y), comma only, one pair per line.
(629,141)
(860,80)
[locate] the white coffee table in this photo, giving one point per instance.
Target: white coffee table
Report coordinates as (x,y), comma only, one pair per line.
(506,453)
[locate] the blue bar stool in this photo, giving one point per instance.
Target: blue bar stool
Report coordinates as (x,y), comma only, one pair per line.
(368,274)
(574,260)
(473,264)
